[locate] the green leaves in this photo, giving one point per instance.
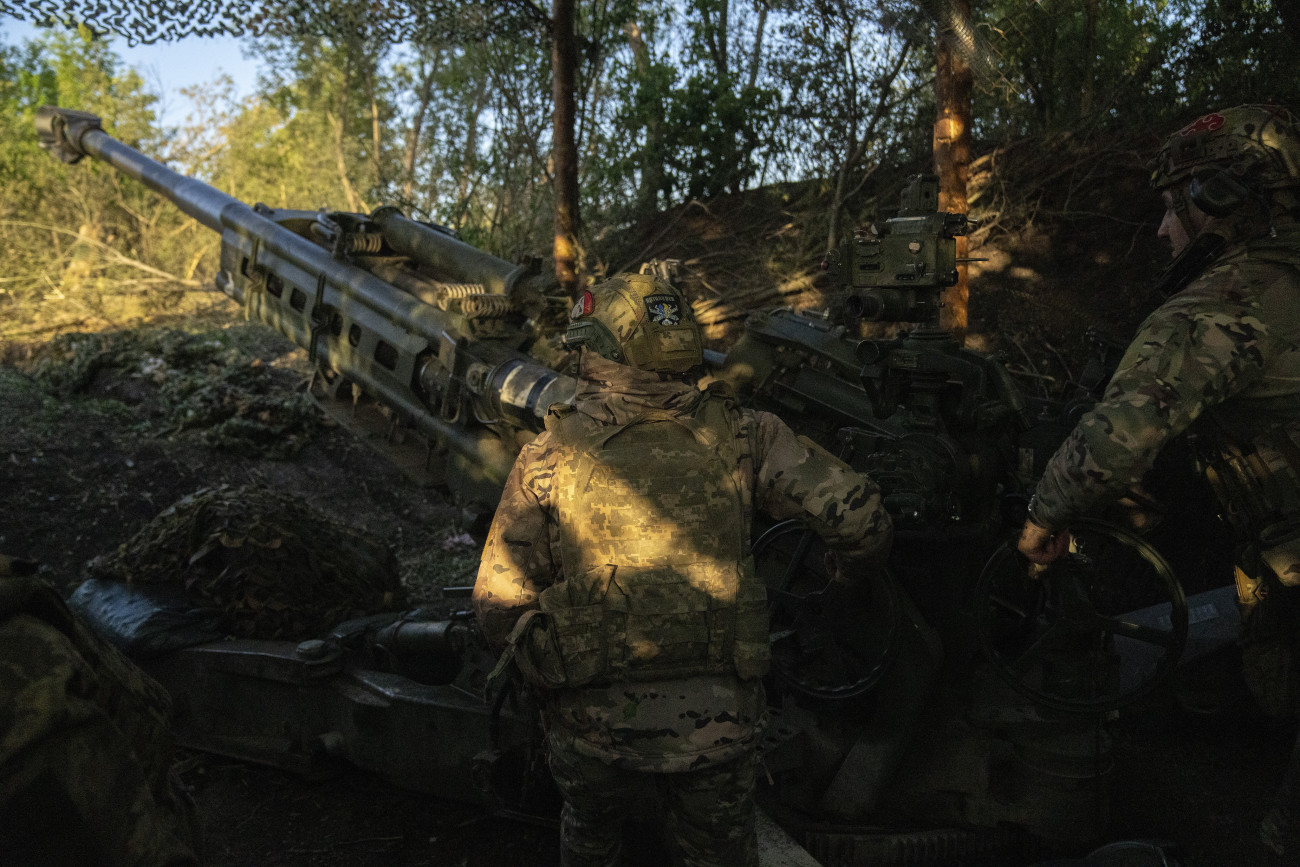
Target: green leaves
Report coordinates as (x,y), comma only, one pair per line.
(79,244)
(714,129)
(675,101)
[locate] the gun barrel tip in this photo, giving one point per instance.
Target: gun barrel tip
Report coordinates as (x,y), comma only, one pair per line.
(61,130)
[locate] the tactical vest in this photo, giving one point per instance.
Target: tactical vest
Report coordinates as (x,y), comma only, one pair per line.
(1257,482)
(654,538)
(1252,457)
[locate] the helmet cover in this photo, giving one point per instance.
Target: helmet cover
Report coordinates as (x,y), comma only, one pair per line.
(637,320)
(1258,143)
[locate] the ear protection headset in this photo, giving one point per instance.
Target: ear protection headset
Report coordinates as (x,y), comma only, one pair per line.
(1218,193)
(596,336)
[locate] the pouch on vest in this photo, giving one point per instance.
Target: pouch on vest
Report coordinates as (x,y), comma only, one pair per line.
(1257,482)
(752,645)
(531,648)
(578,627)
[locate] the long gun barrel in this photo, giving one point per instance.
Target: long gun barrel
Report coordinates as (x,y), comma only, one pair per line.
(431,327)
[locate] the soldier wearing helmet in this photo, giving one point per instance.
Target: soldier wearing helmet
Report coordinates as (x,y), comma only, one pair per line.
(1221,356)
(617,575)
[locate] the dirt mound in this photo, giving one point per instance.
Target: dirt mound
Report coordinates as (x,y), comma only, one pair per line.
(274,566)
(212,382)
(736,253)
(1067,226)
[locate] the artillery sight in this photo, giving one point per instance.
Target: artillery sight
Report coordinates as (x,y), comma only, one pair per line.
(897,271)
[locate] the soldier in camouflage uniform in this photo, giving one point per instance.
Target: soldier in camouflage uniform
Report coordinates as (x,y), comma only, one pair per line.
(85,751)
(618,577)
(1220,357)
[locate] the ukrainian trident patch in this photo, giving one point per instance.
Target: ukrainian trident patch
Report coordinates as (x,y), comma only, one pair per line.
(664,309)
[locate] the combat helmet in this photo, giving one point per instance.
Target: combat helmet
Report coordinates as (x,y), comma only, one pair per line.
(1231,157)
(638,320)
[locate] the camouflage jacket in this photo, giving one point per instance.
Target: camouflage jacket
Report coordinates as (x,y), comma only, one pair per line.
(677,724)
(85,750)
(1226,348)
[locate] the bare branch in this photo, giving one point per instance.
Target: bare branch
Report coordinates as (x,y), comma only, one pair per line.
(114,254)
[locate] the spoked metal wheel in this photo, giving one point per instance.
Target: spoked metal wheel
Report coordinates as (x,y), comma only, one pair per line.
(1094,632)
(828,641)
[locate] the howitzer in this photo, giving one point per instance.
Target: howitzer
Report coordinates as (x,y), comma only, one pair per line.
(933,422)
(390,309)
(955,448)
(892,739)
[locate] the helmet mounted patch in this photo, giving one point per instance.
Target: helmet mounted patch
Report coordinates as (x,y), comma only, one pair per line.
(664,309)
(583,306)
(1209,123)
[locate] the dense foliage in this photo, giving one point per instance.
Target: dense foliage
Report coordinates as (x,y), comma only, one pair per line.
(676,101)
(102,248)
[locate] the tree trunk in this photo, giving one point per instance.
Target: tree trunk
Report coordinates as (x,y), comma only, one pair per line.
(724,27)
(837,205)
(376,130)
(715,34)
(1088,96)
(425,96)
(853,150)
(340,160)
(336,120)
(652,154)
(564,61)
(756,56)
(467,164)
(952,145)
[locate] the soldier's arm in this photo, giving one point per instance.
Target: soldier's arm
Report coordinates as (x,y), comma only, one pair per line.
(796,478)
(517,563)
(1191,354)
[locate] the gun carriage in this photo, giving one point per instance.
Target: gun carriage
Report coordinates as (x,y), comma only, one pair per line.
(951,711)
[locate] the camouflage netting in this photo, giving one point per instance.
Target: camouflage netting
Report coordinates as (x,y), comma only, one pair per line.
(387,20)
(207,382)
(275,567)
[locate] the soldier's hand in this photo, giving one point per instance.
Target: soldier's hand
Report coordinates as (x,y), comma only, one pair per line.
(835,568)
(849,571)
(1041,545)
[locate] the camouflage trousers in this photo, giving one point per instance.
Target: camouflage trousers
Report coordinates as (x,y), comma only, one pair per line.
(708,812)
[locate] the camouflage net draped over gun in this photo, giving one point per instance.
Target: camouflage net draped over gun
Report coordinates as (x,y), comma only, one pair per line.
(275,567)
(384,20)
